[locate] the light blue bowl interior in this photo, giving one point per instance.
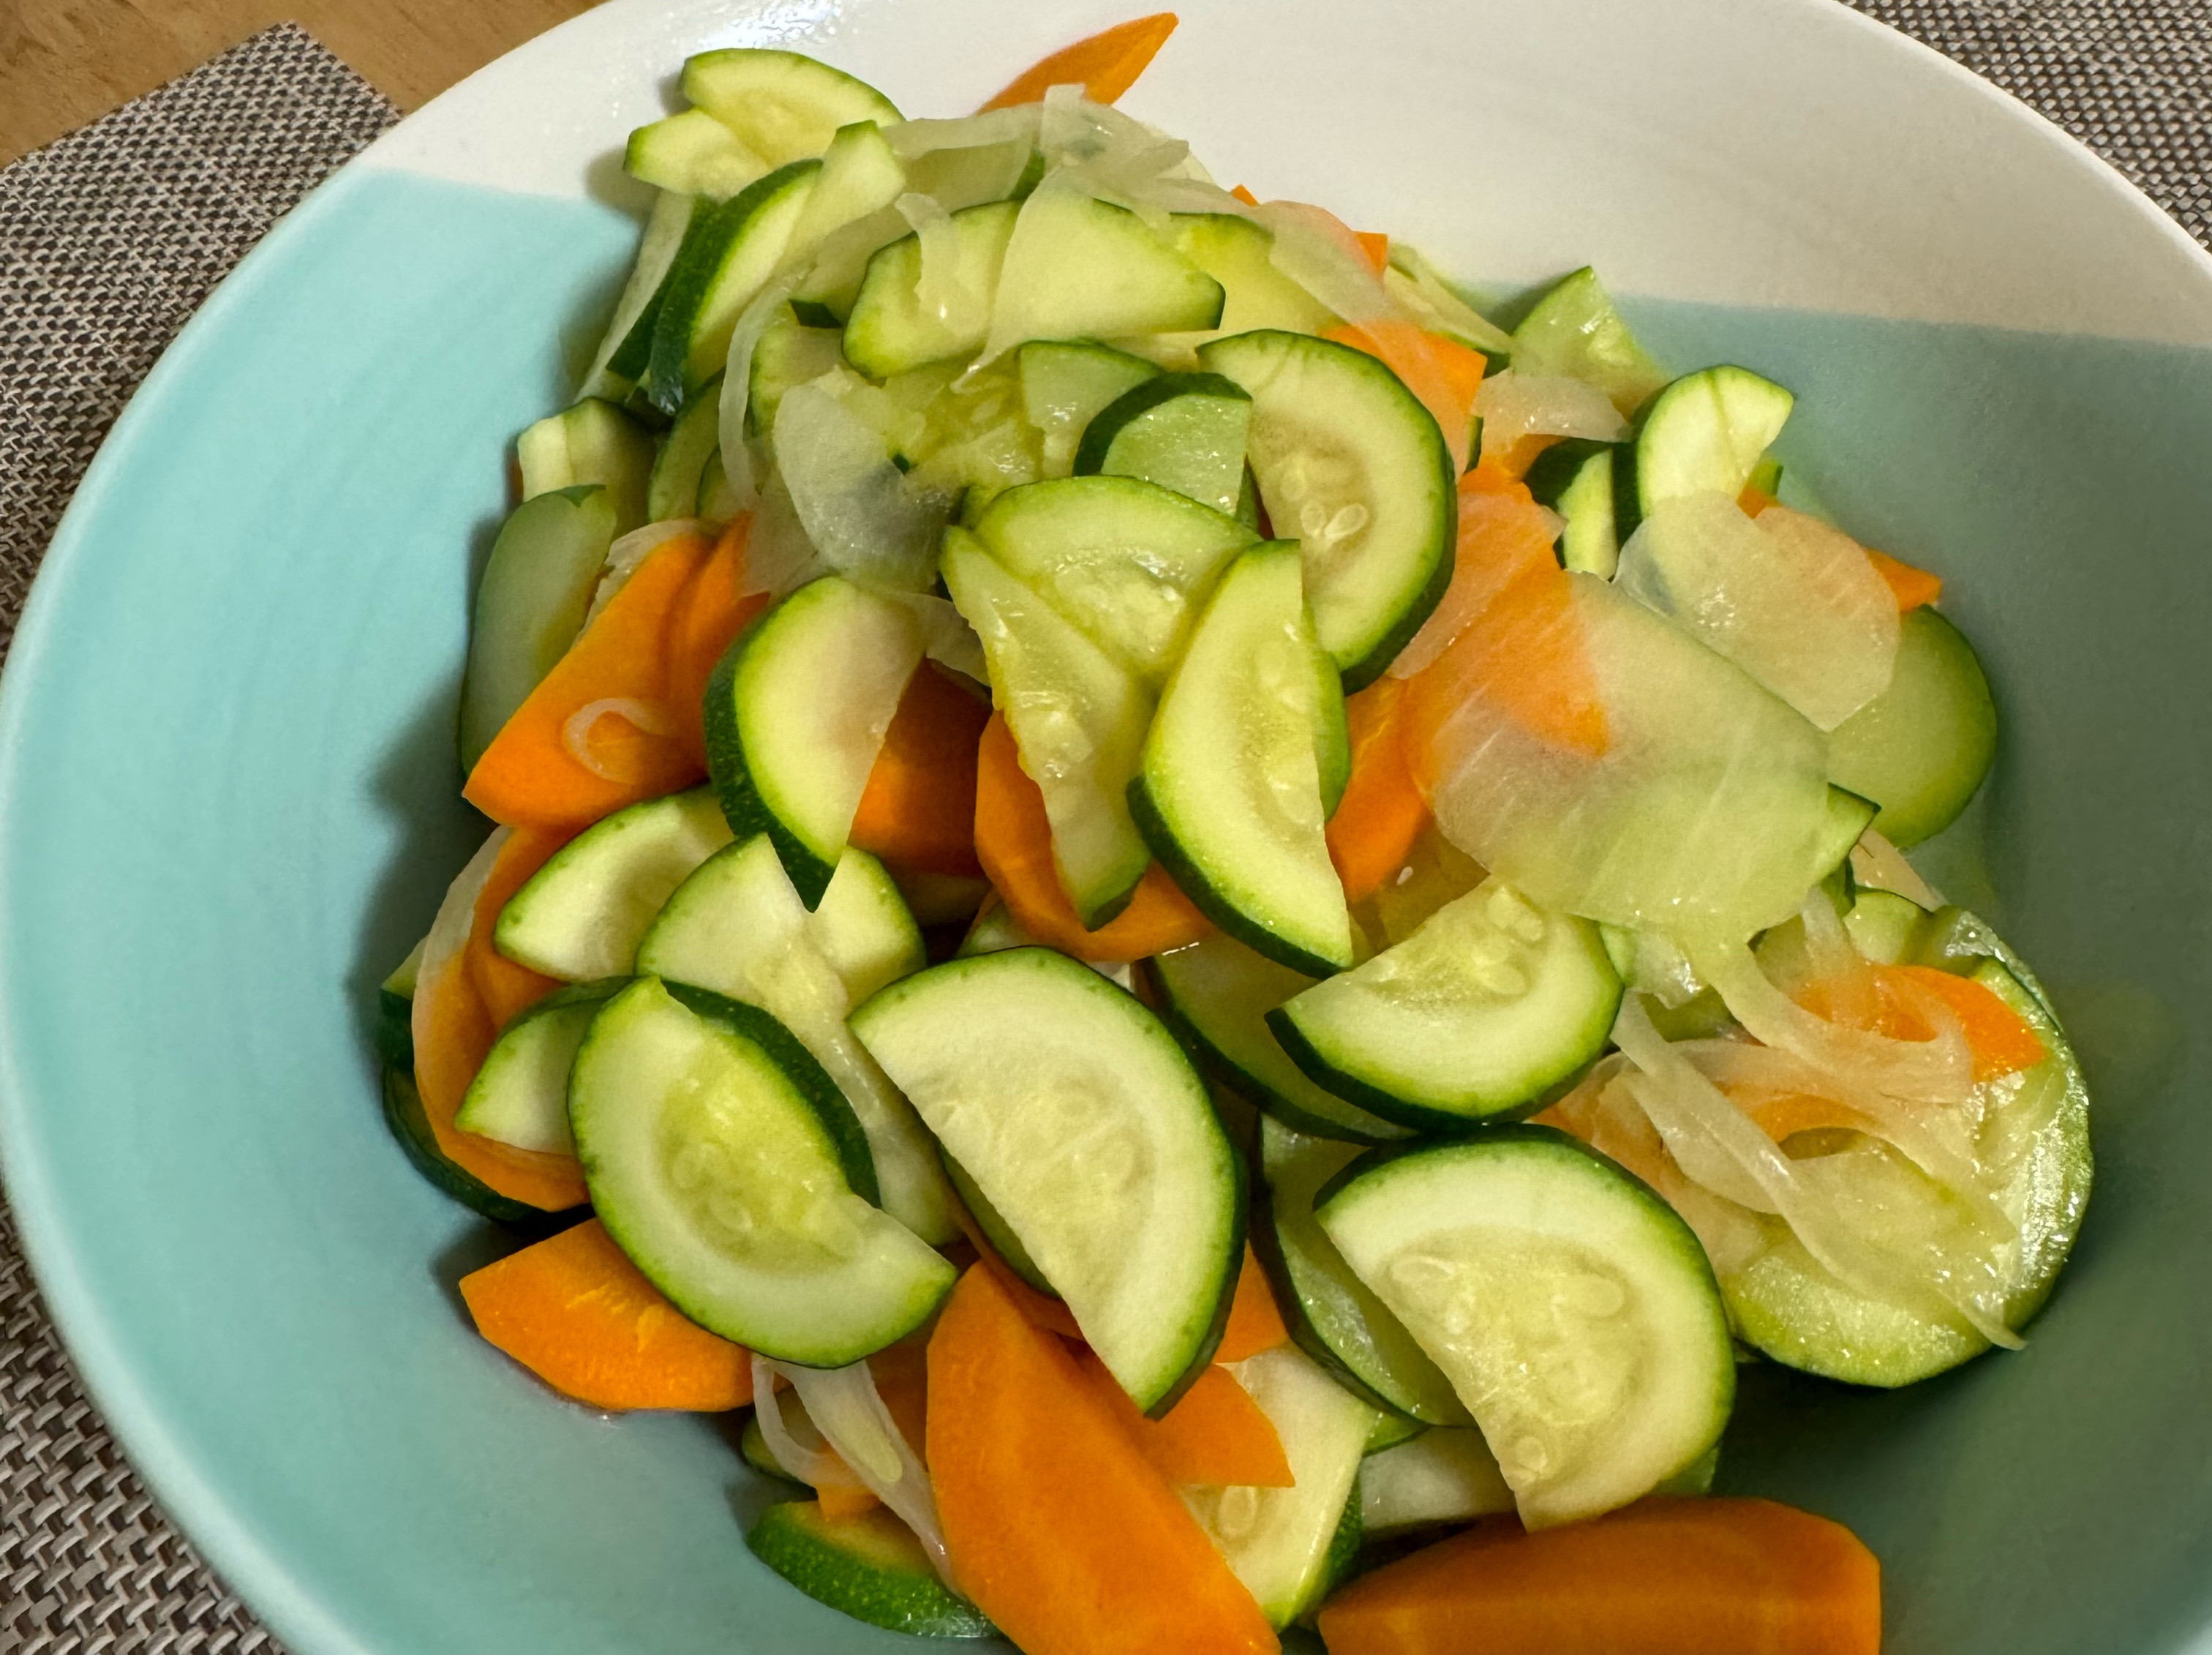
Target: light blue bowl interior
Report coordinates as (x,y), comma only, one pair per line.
(230,805)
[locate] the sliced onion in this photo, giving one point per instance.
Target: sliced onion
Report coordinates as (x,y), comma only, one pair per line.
(779,558)
(1937,1071)
(737,385)
(798,1450)
(849,1412)
(632,550)
(909,139)
(859,510)
(1432,303)
(576,733)
(947,639)
(1513,404)
(1878,863)
(1716,1145)
(1316,250)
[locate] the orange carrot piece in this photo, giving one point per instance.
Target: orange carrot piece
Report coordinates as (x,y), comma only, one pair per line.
(713,610)
(528,774)
(461,1028)
(576,1312)
(1214,1434)
(1245,195)
(1014,842)
(1105,65)
(1058,1526)
(2001,1041)
(902,1375)
(1381,813)
(1665,1577)
(1781,1116)
(1518,644)
(1254,1324)
(918,810)
(1445,375)
(1913,587)
(840,1501)
(1375,246)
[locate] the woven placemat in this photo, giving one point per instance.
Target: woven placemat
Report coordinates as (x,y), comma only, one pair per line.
(111,237)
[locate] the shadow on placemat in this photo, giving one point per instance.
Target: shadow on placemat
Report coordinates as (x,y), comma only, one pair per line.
(192,176)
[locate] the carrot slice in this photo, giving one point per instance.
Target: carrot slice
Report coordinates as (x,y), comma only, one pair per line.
(1375,246)
(2001,1041)
(1254,1324)
(1443,373)
(1245,195)
(1014,842)
(1381,813)
(1781,1116)
(1912,588)
(462,1025)
(619,666)
(1058,1526)
(1516,641)
(918,810)
(713,609)
(1215,1434)
(1666,1576)
(1105,64)
(902,1375)
(576,1312)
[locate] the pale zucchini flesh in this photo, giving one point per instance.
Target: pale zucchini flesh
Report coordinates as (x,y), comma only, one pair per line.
(737,927)
(796,713)
(729,1169)
(1078,718)
(1278,1542)
(1487,1006)
(1185,432)
(581,917)
(519,1096)
(1571,1308)
(1230,798)
(1353,467)
(1076,1114)
(1442,1476)
(783,104)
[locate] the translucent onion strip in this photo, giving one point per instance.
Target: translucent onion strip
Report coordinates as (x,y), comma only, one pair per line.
(576,733)
(849,1412)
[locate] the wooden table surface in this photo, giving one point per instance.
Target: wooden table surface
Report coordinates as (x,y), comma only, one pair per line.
(65,62)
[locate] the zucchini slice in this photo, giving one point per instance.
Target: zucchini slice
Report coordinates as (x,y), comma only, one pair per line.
(796,713)
(520,1095)
(732,1171)
(1065,384)
(590,442)
(1230,795)
(1078,267)
(1476,1016)
(1351,464)
(1077,716)
(1921,747)
(1705,433)
(894,327)
(679,464)
(1575,330)
(1216,995)
(996,1231)
(1185,432)
(530,603)
(1129,561)
(1572,1310)
(738,927)
(784,106)
(1085,1126)
(788,353)
(1575,479)
(1281,1543)
(1237,254)
(869,1567)
(727,257)
(692,154)
(1439,1477)
(1330,1313)
(581,917)
(410,1126)
(627,344)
